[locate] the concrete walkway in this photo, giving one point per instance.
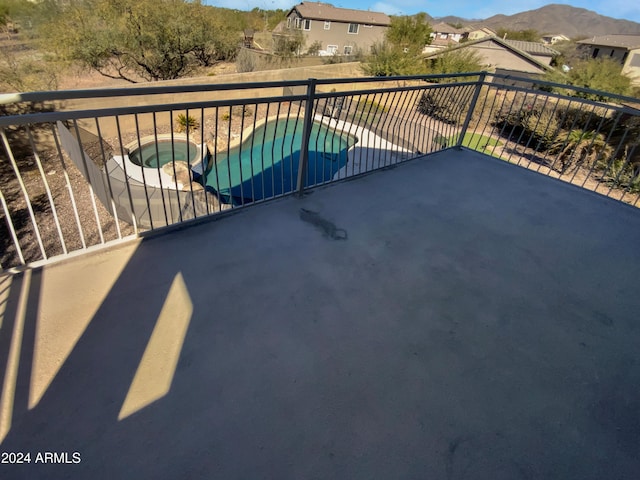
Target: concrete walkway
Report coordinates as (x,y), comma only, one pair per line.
(479,321)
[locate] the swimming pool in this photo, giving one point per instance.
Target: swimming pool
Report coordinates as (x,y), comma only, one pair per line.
(156,154)
(265,164)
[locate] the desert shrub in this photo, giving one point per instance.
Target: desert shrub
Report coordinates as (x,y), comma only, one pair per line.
(245,61)
(186,123)
(241,111)
(620,173)
(449,104)
(314,48)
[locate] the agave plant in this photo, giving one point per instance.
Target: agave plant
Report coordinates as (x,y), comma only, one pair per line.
(186,123)
(581,147)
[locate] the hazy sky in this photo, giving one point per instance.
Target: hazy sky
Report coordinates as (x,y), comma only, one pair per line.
(471,9)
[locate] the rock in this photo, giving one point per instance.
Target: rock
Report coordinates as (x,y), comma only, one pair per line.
(183,177)
(175,167)
(195,186)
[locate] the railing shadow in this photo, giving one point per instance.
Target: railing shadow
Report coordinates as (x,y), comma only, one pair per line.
(81,385)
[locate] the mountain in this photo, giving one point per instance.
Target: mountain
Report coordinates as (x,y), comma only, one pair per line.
(570,21)
(554,19)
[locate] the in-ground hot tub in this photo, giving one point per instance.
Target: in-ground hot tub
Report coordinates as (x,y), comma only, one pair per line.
(156,154)
(145,159)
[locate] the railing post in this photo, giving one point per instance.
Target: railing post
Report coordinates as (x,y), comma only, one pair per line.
(472,107)
(306,134)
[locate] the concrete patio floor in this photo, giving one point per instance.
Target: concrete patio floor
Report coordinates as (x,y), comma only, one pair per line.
(479,321)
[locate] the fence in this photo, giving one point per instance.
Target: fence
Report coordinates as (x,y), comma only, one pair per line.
(75,178)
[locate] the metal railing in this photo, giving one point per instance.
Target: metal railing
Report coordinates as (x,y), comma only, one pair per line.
(87,168)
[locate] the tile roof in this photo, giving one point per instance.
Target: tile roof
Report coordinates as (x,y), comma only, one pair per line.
(533,48)
(324,11)
(446,28)
(499,41)
(625,41)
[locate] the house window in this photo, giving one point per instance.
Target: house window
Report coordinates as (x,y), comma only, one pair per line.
(303,23)
(354,27)
(348,49)
(595,53)
(327,25)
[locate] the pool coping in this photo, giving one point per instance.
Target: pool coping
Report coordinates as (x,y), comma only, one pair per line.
(155,176)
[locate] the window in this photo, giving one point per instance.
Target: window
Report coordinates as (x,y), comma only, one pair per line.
(303,23)
(327,25)
(348,49)
(353,28)
(595,53)
(332,49)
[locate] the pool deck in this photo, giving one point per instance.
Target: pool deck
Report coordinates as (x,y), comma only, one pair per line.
(480,321)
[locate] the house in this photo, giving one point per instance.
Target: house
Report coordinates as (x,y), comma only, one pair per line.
(477,32)
(336,31)
(537,50)
(622,48)
(444,36)
(553,39)
(443,31)
(499,55)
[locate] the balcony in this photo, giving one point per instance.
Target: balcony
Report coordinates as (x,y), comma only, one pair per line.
(441,306)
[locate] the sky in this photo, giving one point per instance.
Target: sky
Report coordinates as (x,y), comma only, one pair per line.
(469,9)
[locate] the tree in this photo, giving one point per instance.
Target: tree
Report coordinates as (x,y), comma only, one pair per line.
(387,60)
(288,47)
(132,39)
(458,60)
(596,74)
(399,53)
(409,33)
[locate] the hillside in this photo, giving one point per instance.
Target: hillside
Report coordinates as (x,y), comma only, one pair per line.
(570,21)
(565,19)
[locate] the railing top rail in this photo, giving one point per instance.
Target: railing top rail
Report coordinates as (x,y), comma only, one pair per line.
(545,83)
(47,117)
(58,95)
(53,116)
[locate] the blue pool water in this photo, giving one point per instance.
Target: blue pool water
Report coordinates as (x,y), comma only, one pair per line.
(266,163)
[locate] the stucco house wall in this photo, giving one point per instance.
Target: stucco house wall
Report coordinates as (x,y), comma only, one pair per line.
(332,32)
(624,49)
(498,57)
(632,66)
(337,30)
